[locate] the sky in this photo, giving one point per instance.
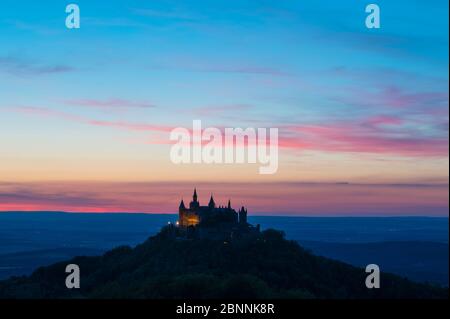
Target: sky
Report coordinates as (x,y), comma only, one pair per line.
(362,114)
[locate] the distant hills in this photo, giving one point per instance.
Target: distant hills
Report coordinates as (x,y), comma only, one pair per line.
(25,262)
(416,260)
(266,267)
(413,247)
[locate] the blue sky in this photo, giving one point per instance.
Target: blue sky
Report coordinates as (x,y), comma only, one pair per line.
(352,104)
(213,43)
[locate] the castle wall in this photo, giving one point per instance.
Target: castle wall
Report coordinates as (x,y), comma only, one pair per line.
(187,218)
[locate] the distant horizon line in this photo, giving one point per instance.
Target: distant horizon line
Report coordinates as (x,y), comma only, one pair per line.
(250,216)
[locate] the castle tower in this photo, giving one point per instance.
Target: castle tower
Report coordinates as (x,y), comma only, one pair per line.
(211,204)
(181,210)
(195,203)
(229,204)
(181,207)
(243,216)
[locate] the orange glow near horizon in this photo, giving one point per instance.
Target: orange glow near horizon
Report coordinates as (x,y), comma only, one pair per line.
(311,199)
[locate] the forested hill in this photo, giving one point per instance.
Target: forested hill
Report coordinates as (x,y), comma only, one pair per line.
(162,267)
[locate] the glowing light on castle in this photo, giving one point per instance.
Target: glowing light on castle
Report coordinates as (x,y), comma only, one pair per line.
(196,214)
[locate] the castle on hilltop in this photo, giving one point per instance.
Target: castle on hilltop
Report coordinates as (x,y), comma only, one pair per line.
(213,221)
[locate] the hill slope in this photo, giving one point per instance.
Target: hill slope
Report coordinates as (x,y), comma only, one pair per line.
(163,267)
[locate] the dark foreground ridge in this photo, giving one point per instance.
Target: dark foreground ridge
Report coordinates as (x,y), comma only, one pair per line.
(263,266)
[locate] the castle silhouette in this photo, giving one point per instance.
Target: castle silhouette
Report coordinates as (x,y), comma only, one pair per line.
(212,221)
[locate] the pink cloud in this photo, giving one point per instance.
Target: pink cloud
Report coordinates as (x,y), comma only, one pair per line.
(383,120)
(283,198)
(363,137)
(366,136)
(394,97)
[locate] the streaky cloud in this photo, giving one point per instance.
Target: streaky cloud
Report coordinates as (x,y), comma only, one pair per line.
(115,103)
(20,67)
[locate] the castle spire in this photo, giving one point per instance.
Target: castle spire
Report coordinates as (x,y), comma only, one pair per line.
(229,204)
(195,195)
(211,204)
(182,205)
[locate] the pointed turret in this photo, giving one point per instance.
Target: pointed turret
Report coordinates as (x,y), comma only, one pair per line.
(229,204)
(194,204)
(182,205)
(211,204)
(243,216)
(194,197)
